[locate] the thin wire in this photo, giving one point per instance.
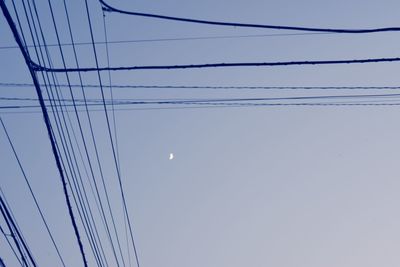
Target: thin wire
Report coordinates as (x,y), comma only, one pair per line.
(172,39)
(110,135)
(108,202)
(32,193)
(10,245)
(213,106)
(166,86)
(64,63)
(47,122)
(190,101)
(13,227)
(10,228)
(18,228)
(74,172)
(115,132)
(61,133)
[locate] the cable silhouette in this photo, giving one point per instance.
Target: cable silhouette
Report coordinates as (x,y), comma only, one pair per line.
(47,122)
(244,87)
(115,131)
(80,127)
(93,138)
(110,136)
(32,193)
(109,8)
(10,245)
(173,39)
(65,139)
(220,105)
(37,67)
(202,100)
(16,234)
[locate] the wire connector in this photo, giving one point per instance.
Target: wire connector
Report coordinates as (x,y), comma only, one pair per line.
(106,9)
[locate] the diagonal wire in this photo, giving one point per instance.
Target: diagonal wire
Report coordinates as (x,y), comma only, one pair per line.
(110,136)
(32,193)
(115,133)
(47,122)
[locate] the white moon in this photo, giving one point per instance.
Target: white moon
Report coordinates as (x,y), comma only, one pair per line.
(171,156)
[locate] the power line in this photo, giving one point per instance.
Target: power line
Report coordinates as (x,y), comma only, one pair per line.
(217,87)
(173,39)
(47,122)
(37,67)
(110,136)
(32,193)
(95,102)
(80,127)
(16,233)
(221,105)
(11,246)
(115,136)
(109,8)
(75,173)
(84,215)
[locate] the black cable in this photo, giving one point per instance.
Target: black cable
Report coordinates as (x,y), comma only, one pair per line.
(74,173)
(11,246)
(108,232)
(191,101)
(94,142)
(37,67)
(87,212)
(244,87)
(109,8)
(115,134)
(16,241)
(64,145)
(18,228)
(110,136)
(216,105)
(32,193)
(15,233)
(24,42)
(47,122)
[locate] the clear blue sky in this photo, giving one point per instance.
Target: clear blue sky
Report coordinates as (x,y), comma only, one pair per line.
(254,186)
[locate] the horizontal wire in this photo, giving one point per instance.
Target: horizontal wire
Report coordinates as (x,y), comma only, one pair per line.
(171,39)
(109,8)
(127,86)
(37,67)
(219,105)
(173,101)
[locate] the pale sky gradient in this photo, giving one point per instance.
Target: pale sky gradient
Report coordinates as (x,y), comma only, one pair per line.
(266,186)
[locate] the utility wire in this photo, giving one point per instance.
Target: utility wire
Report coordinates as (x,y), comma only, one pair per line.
(16,233)
(110,135)
(68,80)
(11,246)
(190,101)
(32,193)
(216,105)
(173,39)
(217,87)
(47,122)
(109,8)
(68,150)
(94,142)
(115,135)
(37,67)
